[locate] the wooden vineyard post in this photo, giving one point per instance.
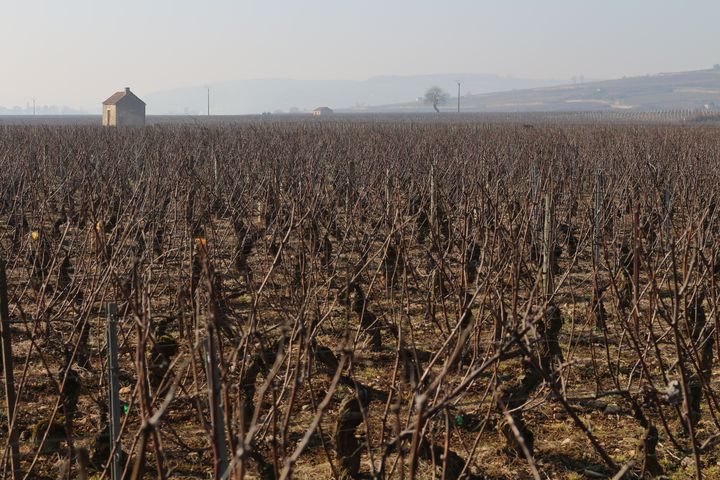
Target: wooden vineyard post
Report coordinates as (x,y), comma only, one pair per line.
(666,202)
(597,218)
(547,246)
(114,391)
(636,268)
(215,170)
(216,413)
(433,199)
(62,163)
(8,374)
(534,179)
(349,193)
(347,199)
(534,175)
(388,184)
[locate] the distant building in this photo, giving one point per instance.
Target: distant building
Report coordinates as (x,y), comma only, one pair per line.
(322,111)
(123,109)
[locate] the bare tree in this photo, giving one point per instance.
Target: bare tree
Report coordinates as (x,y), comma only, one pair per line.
(436,96)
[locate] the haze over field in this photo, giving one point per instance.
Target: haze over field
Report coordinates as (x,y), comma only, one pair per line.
(269,95)
(75,54)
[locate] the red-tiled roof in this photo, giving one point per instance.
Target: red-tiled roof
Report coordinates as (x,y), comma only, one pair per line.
(117,96)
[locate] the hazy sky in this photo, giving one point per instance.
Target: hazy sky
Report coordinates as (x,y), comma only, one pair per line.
(77,52)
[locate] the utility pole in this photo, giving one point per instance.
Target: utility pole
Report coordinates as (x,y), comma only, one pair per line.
(33,106)
(208,100)
(458,84)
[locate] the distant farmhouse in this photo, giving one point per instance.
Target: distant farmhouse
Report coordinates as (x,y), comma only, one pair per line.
(123,109)
(322,111)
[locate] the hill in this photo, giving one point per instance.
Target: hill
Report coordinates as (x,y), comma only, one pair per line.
(269,95)
(694,90)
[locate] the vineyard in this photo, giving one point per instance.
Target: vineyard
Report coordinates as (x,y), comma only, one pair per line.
(360,300)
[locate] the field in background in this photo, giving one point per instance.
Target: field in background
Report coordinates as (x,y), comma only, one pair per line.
(674,117)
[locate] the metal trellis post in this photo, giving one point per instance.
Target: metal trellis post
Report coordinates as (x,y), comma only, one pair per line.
(547,246)
(114,393)
(216,413)
(597,217)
